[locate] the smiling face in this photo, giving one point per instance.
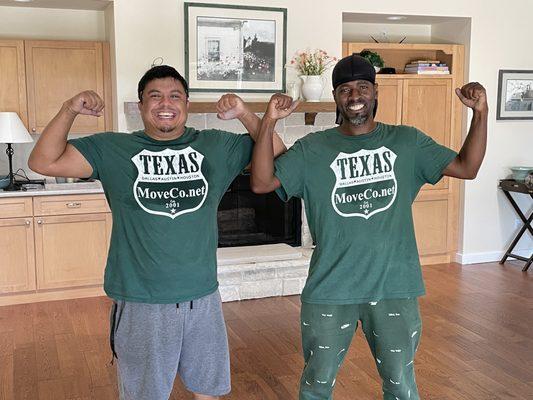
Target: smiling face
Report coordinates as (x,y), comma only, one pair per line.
(356,101)
(164,108)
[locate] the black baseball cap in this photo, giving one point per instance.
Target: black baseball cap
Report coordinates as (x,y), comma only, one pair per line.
(353,68)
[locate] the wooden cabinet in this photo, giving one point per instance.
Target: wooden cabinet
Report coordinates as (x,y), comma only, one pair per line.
(13,78)
(72,235)
(427,102)
(54,247)
(58,70)
(38,76)
(17,263)
(70,204)
(390,100)
(71,250)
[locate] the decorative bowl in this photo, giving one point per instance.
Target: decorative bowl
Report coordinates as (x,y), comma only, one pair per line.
(520,173)
(4,182)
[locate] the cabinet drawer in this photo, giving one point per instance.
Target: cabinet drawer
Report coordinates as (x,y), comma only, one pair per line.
(15,207)
(75,204)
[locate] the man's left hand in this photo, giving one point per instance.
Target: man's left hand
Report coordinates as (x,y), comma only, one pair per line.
(230,106)
(473,95)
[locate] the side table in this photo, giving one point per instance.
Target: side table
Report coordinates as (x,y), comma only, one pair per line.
(508,186)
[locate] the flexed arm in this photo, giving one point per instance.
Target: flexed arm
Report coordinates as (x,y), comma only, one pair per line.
(52,155)
(467,163)
(263,179)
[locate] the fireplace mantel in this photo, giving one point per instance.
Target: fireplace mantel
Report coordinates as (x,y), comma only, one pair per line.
(260,106)
(310,109)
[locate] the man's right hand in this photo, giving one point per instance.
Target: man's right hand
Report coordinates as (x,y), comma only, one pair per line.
(280,106)
(85,103)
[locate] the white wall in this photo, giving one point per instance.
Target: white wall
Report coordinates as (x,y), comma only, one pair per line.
(51,24)
(361,32)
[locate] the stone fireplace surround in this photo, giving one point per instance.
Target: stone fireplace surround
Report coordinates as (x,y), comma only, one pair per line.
(250,272)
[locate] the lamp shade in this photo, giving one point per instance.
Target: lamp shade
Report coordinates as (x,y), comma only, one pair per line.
(12,130)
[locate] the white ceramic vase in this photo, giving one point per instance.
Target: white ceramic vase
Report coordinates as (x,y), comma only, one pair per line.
(312,87)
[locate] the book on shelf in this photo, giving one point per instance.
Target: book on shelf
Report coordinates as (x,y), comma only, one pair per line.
(427,72)
(426,65)
(433,68)
(424,62)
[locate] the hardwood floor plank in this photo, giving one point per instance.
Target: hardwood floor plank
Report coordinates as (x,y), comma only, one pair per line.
(25,373)
(7,386)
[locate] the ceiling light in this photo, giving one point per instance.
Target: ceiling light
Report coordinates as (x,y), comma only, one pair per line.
(396,17)
(23,1)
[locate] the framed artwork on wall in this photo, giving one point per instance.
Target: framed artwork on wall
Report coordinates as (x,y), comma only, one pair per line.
(515,94)
(235,48)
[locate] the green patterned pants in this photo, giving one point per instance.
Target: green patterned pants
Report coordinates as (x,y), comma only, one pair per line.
(392,330)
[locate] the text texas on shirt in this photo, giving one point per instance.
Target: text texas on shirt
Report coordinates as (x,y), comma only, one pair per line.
(365,182)
(170,182)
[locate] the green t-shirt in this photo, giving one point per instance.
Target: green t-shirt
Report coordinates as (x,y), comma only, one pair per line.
(358,192)
(164,197)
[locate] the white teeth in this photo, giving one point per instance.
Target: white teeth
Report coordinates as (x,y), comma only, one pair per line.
(356,107)
(165,115)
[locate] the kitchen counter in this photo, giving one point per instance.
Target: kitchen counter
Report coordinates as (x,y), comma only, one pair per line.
(95,187)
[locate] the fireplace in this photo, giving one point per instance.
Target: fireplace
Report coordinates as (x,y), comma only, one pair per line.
(246,219)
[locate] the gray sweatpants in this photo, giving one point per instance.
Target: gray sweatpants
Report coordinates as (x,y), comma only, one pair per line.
(154,342)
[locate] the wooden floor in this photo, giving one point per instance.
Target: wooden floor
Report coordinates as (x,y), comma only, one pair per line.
(477,344)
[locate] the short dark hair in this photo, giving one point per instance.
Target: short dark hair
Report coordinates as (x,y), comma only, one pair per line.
(160,72)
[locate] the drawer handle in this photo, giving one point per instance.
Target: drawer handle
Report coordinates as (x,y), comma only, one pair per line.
(27,222)
(74,205)
(39,221)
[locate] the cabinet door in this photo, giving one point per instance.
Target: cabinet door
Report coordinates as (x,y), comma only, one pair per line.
(427,106)
(71,250)
(13,78)
(431,226)
(389,101)
(17,264)
(55,72)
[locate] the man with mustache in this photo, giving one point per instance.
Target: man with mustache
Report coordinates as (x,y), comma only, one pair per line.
(358,182)
(163,185)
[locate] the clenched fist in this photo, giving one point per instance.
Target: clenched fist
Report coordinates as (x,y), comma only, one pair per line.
(230,106)
(86,103)
(280,106)
(473,95)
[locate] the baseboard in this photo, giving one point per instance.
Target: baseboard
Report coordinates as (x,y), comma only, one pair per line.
(491,256)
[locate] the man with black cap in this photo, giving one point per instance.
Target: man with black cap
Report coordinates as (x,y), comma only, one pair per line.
(358,182)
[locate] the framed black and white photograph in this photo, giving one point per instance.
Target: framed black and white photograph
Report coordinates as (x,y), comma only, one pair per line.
(235,48)
(515,94)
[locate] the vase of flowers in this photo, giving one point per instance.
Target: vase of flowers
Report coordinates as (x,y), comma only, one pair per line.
(310,65)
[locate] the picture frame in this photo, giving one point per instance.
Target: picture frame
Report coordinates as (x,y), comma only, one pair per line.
(515,95)
(235,48)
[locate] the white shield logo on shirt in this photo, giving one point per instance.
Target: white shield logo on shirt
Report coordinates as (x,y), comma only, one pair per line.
(365,182)
(170,182)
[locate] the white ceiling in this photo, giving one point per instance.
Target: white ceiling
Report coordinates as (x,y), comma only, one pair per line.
(63,4)
(382,19)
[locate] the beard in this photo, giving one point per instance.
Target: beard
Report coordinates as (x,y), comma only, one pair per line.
(358,120)
(166,128)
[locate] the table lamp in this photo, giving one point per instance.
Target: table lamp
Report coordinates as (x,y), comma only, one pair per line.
(12,130)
